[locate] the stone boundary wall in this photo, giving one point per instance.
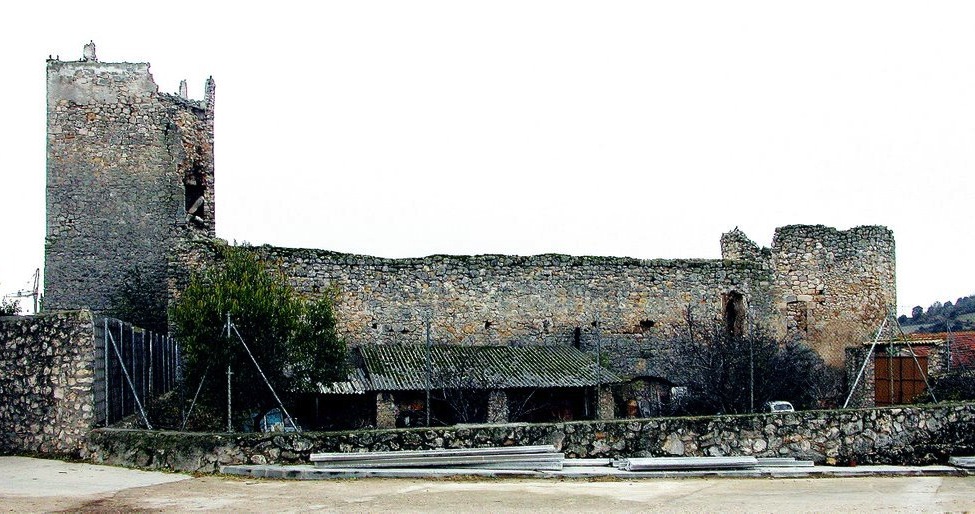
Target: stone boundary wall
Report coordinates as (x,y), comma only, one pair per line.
(501,299)
(46,382)
(914,435)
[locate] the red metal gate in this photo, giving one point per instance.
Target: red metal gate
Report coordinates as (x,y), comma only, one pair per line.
(897,380)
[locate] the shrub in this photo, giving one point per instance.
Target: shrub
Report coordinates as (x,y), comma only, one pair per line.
(292,340)
(9,307)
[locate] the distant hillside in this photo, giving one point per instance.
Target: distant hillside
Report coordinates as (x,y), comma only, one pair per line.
(940,317)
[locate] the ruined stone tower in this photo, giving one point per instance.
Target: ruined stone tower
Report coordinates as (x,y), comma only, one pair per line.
(129,173)
(831,288)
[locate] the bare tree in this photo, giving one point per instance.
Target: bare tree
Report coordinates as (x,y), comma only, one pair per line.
(729,373)
(464,386)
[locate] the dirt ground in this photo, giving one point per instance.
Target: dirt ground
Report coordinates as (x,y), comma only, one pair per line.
(224,494)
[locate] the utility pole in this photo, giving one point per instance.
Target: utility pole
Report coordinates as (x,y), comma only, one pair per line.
(30,293)
(230,427)
(599,354)
(751,374)
(948,343)
(426,406)
(599,366)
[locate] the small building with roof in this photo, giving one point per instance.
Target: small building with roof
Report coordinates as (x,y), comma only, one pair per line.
(391,385)
(898,370)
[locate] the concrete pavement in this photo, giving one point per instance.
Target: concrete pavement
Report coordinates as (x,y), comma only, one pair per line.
(41,477)
(28,484)
(308,472)
(43,485)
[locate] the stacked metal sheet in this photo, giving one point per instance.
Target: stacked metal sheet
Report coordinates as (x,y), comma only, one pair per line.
(784,462)
(587,463)
(686,463)
(706,463)
(541,458)
(962,462)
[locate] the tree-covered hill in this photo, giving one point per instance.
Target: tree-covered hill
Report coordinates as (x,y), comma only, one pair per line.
(940,317)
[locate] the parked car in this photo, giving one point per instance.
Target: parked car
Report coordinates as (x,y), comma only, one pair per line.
(779,407)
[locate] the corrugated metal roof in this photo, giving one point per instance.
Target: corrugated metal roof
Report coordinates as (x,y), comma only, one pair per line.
(355,383)
(403,367)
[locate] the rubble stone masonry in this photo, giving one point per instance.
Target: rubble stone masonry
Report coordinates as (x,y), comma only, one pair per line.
(500,299)
(46,382)
(129,170)
(910,435)
(828,287)
(834,287)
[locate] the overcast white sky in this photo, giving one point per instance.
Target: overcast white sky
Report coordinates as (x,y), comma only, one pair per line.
(641,129)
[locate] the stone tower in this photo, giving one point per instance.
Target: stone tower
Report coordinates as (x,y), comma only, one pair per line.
(129,175)
(832,288)
(835,286)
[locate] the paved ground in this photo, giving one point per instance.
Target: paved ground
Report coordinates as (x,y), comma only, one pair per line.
(41,485)
(602,473)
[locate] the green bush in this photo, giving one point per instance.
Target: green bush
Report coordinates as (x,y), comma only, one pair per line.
(955,385)
(9,307)
(293,340)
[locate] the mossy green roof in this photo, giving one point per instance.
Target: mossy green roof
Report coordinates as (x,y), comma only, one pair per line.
(403,367)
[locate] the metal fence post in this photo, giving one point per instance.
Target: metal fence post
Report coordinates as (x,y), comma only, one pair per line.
(108,401)
(135,392)
(121,363)
(167,365)
(152,340)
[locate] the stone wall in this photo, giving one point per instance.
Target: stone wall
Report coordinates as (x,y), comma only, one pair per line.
(46,382)
(499,299)
(914,435)
(832,288)
(129,170)
(825,286)
(863,395)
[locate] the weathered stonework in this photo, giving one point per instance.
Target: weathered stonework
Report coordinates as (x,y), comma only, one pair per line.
(828,287)
(606,404)
(386,410)
(129,171)
(46,382)
(834,287)
(904,436)
(497,409)
(831,288)
(862,396)
(499,299)
(130,179)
